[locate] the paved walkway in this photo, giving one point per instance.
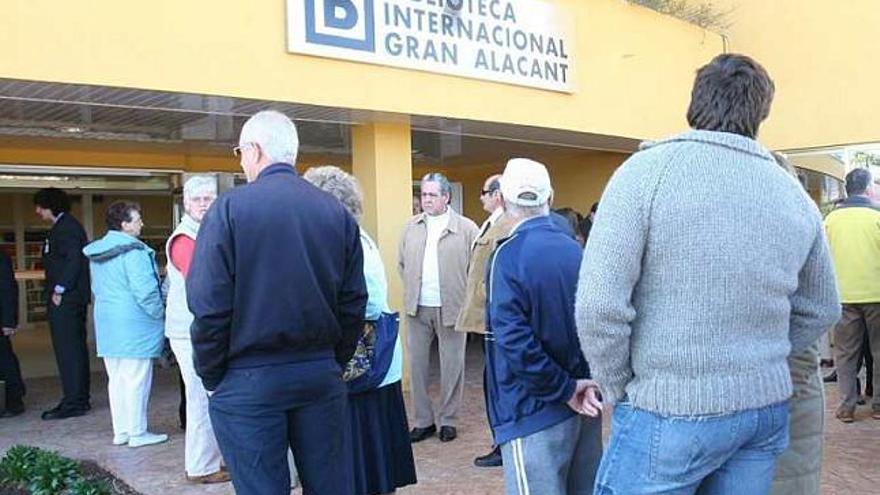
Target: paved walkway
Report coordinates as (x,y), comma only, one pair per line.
(850,456)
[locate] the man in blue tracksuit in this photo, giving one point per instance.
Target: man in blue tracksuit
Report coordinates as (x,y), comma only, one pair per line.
(543,408)
(277,290)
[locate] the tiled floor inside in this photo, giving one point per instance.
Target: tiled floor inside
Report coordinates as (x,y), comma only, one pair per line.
(851,451)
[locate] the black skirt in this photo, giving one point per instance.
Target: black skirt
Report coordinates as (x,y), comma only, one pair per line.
(383,458)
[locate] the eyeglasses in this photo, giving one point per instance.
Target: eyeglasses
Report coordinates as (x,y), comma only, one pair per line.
(237,150)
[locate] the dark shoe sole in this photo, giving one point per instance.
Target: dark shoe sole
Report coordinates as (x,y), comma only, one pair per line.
(49,416)
(486,463)
(448,436)
(424,434)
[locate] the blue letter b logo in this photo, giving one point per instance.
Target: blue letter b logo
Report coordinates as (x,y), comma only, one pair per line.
(341,23)
(340,14)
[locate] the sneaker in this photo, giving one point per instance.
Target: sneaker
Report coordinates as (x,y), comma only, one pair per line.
(120,439)
(875,414)
(220,476)
(147,439)
(846,416)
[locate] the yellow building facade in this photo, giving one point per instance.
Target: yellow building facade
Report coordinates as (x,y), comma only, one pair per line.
(92,90)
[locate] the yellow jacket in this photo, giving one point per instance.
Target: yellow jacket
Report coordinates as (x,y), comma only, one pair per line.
(854,238)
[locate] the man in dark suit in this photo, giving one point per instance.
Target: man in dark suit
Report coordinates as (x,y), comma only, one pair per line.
(68,296)
(10,372)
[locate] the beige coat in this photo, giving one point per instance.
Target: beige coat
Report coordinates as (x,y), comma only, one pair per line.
(453,252)
(473,313)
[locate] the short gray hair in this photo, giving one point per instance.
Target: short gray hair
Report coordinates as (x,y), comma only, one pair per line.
(275,133)
(199,183)
(340,184)
(521,212)
(445,186)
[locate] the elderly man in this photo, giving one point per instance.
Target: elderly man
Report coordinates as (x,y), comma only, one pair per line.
(855,246)
(536,375)
(472,318)
(707,266)
(433,260)
(278,294)
(202,457)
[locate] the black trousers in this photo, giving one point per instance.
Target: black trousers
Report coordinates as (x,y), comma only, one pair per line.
(10,372)
(67,324)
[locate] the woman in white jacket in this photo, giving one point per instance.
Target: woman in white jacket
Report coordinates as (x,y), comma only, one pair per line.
(203,460)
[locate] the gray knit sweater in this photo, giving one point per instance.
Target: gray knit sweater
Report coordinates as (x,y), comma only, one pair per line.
(707,265)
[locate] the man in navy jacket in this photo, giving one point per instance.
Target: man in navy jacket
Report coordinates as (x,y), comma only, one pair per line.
(278,295)
(542,406)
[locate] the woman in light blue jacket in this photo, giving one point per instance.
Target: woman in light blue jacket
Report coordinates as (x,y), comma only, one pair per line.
(129,320)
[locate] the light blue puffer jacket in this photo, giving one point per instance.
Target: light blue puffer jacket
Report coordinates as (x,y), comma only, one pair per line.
(129,314)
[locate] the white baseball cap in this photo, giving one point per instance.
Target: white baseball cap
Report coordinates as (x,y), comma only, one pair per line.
(526,182)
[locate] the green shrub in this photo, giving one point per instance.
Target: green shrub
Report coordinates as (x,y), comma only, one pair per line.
(52,474)
(84,487)
(42,472)
(17,464)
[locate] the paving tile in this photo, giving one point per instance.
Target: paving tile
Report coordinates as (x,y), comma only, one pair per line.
(850,456)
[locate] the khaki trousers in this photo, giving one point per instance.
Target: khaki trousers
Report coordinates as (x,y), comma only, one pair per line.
(422,329)
(799,468)
(849,336)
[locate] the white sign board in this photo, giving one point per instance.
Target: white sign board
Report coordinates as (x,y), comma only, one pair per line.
(523,42)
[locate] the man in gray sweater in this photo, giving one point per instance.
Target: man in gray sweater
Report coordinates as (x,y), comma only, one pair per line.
(706,267)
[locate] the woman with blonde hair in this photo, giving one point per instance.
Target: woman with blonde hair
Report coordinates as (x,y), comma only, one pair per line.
(381,449)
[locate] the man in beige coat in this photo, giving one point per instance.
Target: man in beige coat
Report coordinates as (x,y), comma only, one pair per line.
(433,259)
(472,318)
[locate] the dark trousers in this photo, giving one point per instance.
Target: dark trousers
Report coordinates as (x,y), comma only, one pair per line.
(868,360)
(67,324)
(483,344)
(10,372)
(856,321)
(259,412)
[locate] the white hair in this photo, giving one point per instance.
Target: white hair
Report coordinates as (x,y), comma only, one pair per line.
(275,133)
(520,212)
(196,184)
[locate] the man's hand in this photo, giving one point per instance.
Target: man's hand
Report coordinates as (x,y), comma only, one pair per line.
(56,299)
(9,331)
(585,399)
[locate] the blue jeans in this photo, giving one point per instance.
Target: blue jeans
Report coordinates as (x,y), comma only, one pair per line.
(708,455)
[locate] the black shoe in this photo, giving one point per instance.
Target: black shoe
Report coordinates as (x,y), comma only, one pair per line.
(447,433)
(59,413)
(492,459)
(12,411)
(419,434)
(831,378)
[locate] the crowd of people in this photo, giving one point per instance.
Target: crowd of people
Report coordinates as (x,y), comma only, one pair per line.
(690,299)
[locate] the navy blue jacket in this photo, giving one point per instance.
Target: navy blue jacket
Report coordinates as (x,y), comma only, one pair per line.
(64,261)
(277,277)
(533,355)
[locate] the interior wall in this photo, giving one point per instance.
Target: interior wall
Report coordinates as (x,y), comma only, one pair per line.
(578,178)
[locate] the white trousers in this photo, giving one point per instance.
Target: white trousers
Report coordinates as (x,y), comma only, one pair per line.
(201,452)
(128,385)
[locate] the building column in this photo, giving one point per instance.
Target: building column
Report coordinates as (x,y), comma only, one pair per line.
(382,162)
